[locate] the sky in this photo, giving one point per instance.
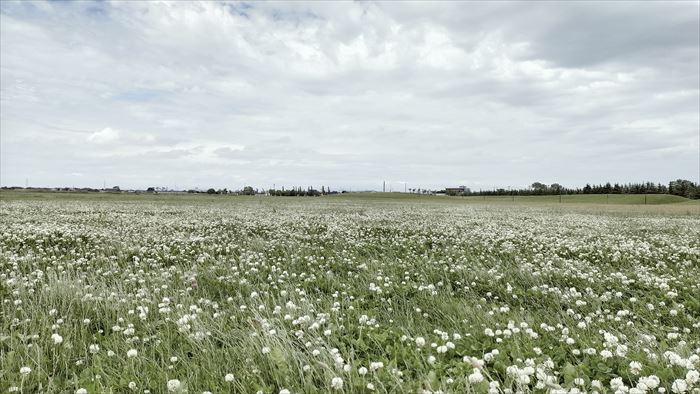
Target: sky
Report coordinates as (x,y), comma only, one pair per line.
(348,94)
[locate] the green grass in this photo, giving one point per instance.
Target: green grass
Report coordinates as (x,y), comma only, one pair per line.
(360,277)
(599,199)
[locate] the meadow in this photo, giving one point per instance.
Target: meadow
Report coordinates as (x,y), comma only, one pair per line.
(377,293)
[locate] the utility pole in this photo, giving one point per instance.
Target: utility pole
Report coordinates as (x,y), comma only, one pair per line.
(384,187)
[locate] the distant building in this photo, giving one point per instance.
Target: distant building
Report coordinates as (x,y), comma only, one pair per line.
(454,191)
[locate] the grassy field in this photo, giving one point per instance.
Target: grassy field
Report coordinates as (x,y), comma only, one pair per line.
(601,199)
(359,293)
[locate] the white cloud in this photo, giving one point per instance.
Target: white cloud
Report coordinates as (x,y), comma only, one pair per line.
(104,136)
(219,94)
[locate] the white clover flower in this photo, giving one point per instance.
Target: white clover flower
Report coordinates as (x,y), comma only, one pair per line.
(285,391)
(692,377)
(362,371)
(229,377)
(174,385)
(635,367)
(57,339)
(651,381)
(131,353)
(265,350)
(337,383)
(679,386)
(132,385)
(94,348)
(25,371)
(616,383)
(476,376)
(420,341)
(376,365)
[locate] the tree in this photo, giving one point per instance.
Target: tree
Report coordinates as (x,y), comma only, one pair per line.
(211,191)
(683,187)
(248,191)
(539,188)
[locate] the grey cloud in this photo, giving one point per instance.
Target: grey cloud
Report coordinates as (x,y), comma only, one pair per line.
(220,94)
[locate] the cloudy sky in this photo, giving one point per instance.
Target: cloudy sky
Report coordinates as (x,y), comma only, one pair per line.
(213,94)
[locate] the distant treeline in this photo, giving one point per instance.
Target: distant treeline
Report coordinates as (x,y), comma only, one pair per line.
(679,187)
(293,192)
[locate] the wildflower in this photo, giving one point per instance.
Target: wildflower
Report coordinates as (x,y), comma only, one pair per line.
(679,386)
(635,367)
(285,391)
(420,341)
(25,371)
(229,377)
(337,383)
(476,376)
(376,365)
(174,385)
(94,348)
(265,350)
(57,339)
(132,353)
(362,371)
(132,385)
(651,381)
(81,391)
